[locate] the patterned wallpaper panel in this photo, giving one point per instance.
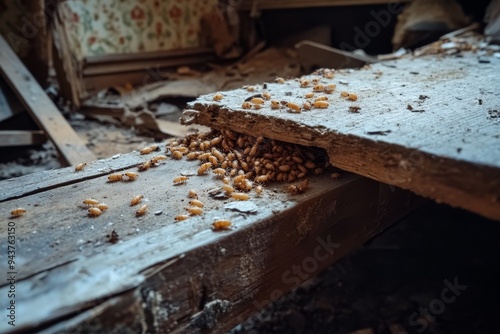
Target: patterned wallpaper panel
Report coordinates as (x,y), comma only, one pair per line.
(98,27)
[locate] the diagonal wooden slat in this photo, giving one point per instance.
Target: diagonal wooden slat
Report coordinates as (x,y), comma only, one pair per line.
(41,108)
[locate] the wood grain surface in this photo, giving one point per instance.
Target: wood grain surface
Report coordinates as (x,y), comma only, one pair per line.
(428,124)
(166,276)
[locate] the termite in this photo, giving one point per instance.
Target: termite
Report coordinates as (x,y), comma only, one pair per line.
(219,172)
(203,168)
(246,105)
(321,104)
(136,200)
(293,106)
(181,217)
(80,166)
(221,225)
(145,166)
(192,194)
(218,97)
(115,177)
(257,100)
(195,211)
(149,149)
(102,206)
(180,180)
(17,212)
(197,203)
(240,196)
(142,210)
(130,176)
(94,212)
(158,158)
(177,155)
(90,201)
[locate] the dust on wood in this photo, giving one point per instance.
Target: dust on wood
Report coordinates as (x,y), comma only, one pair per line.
(171,270)
(449,152)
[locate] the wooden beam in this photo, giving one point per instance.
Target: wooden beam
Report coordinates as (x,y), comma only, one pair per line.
(279,4)
(427,124)
(45,180)
(21,138)
(41,108)
(204,281)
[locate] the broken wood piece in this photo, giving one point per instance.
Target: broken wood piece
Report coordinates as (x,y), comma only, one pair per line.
(450,152)
(314,55)
(21,138)
(41,108)
(205,281)
(142,120)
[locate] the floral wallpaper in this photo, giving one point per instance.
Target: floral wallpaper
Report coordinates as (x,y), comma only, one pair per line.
(98,27)
(13,27)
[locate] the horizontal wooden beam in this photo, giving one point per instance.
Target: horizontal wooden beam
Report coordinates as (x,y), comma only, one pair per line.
(41,108)
(428,124)
(204,281)
(21,138)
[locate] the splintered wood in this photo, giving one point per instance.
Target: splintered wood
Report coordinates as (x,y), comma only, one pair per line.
(177,241)
(427,124)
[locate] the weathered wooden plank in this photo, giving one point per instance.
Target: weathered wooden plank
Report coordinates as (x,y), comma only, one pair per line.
(9,106)
(50,179)
(41,108)
(21,137)
(428,124)
(71,279)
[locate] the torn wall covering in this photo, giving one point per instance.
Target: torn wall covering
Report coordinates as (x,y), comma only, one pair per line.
(99,27)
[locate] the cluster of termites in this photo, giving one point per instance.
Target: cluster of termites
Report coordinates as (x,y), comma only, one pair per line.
(95,208)
(247,160)
(142,209)
(195,208)
(298,188)
(315,99)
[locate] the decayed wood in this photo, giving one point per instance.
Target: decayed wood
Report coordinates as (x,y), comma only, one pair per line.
(41,108)
(427,124)
(21,138)
(179,277)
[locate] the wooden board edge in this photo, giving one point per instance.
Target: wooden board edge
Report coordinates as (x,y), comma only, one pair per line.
(239,278)
(462,184)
